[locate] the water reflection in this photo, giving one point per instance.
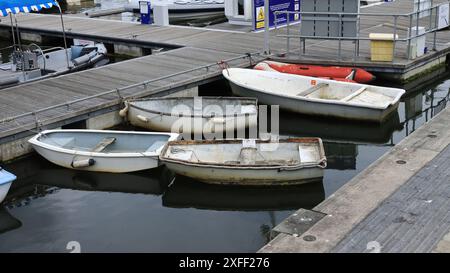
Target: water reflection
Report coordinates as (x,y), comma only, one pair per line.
(110,212)
(339,130)
(7,221)
(188,193)
(423,105)
(149,182)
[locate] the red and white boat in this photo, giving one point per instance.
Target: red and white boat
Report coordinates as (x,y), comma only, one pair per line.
(337,73)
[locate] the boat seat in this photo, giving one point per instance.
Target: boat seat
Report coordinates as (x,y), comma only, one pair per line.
(312,89)
(103,144)
(307,154)
(354,94)
(155,146)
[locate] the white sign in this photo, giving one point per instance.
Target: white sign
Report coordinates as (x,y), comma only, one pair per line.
(444,14)
(143,7)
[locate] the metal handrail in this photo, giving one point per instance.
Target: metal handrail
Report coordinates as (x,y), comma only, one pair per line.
(341,18)
(118,90)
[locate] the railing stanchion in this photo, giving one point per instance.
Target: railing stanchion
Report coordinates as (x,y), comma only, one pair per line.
(340,35)
(408,50)
(395,37)
(266,28)
(287,33)
(436,23)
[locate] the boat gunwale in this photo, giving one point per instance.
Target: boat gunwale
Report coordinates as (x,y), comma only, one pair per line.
(6,182)
(322,162)
(395,100)
(255,100)
(35,141)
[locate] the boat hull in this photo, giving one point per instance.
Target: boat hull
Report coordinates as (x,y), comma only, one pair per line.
(347,74)
(88,149)
(4,188)
(195,125)
(316,108)
(246,177)
(112,164)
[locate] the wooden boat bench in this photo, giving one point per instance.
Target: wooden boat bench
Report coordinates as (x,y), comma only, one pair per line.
(354,94)
(103,144)
(155,146)
(312,89)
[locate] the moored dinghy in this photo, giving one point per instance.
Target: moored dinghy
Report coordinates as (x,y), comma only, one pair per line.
(314,96)
(102,150)
(192,114)
(247,162)
(6,178)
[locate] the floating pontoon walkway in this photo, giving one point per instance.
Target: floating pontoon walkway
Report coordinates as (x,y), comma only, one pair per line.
(400,203)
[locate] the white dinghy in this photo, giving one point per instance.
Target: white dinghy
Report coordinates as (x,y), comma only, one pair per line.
(6,179)
(192,114)
(315,96)
(101,150)
(247,162)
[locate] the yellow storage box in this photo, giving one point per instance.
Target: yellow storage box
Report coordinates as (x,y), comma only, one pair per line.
(382,47)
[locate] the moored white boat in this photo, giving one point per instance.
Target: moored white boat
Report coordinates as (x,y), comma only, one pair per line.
(6,179)
(102,150)
(192,114)
(35,63)
(314,96)
(247,162)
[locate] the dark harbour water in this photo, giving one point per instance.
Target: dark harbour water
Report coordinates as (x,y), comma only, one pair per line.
(49,206)
(138,212)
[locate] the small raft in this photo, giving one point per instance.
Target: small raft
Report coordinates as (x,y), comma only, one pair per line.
(101,150)
(247,162)
(314,96)
(337,73)
(192,114)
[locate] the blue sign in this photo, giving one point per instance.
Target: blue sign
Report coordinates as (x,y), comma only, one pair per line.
(274,5)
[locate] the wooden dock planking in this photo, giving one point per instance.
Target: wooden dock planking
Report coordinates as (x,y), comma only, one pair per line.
(54,91)
(196,47)
(402,207)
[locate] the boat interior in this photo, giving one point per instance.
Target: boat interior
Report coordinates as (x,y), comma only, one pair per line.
(106,142)
(259,154)
(314,88)
(204,105)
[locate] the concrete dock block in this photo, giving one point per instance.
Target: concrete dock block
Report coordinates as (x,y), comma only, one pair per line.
(298,223)
(104,121)
(15,149)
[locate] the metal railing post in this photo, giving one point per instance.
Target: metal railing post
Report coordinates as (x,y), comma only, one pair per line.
(340,35)
(409,36)
(417,20)
(436,23)
(266,28)
(395,37)
(64,34)
(431,13)
(287,33)
(12,31)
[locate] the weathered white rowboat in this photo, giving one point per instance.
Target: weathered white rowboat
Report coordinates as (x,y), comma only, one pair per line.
(247,162)
(314,96)
(192,114)
(6,179)
(102,150)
